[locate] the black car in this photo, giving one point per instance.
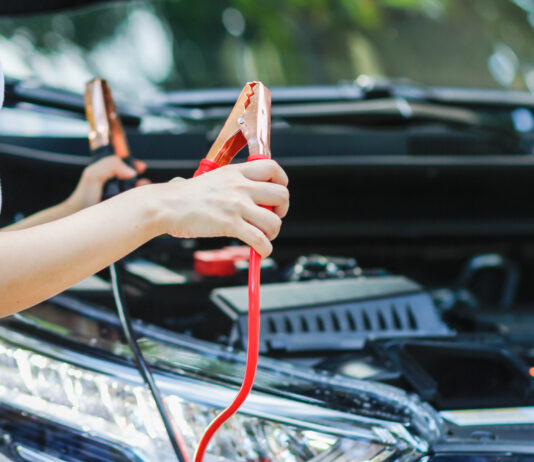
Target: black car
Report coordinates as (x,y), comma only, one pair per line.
(398,308)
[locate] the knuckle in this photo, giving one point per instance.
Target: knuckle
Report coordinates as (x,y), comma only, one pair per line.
(227,227)
(234,172)
(235,202)
(230,204)
(285,194)
(273,166)
(270,233)
(257,239)
(286,209)
(286,179)
(267,250)
(243,185)
(274,229)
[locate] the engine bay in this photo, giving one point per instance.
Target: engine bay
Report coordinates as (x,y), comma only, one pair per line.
(459,341)
(419,280)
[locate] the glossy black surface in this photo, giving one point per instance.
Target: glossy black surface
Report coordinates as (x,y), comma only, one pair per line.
(93,332)
(20,430)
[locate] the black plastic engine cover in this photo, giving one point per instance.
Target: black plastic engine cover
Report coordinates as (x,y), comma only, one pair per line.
(341,314)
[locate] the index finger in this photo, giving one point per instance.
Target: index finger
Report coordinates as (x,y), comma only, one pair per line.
(140,166)
(265,170)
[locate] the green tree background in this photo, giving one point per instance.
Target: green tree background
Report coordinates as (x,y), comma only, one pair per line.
(483,43)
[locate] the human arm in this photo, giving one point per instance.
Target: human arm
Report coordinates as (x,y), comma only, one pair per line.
(87,193)
(43,260)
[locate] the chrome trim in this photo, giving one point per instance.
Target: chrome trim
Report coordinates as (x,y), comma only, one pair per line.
(32,455)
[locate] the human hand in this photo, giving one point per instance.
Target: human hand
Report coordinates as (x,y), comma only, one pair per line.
(89,190)
(227,202)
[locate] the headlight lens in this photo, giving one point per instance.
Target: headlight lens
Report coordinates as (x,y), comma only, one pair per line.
(120,409)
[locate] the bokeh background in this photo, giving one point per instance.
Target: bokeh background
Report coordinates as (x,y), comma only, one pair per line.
(147,47)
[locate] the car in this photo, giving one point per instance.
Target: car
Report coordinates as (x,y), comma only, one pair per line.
(397,310)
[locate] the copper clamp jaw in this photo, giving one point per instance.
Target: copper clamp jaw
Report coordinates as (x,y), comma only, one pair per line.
(106,135)
(249,123)
(104,120)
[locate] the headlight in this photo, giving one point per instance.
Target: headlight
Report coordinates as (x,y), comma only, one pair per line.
(109,400)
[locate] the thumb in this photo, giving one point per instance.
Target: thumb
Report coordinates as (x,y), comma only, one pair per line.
(107,168)
(123,171)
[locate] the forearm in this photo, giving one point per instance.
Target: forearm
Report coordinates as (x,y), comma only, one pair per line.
(44,216)
(88,191)
(41,261)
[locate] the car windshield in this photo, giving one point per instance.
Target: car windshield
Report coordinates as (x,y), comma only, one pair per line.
(143,48)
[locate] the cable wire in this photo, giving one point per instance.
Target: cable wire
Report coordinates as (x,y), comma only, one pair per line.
(253,341)
(253,346)
(124,315)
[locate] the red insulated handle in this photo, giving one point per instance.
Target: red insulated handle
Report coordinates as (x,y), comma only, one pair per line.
(206,166)
(257,157)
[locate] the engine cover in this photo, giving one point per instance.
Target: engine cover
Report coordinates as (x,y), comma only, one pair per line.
(340,314)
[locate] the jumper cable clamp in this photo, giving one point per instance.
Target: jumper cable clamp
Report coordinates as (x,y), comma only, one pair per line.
(249,123)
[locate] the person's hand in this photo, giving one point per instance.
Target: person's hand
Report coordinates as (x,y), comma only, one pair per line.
(89,190)
(227,202)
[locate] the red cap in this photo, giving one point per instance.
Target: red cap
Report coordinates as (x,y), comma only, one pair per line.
(206,166)
(221,262)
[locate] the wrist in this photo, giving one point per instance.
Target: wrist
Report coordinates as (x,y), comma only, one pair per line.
(152,214)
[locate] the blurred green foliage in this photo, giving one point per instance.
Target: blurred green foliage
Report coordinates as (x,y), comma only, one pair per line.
(483,43)
(446,42)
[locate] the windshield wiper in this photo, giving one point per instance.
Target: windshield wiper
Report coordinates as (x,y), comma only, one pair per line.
(364,88)
(27,92)
(369,102)
(374,103)
(370,112)
(364,112)
(487,114)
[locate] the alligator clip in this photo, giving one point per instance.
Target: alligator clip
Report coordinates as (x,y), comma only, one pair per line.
(106,127)
(106,136)
(248,123)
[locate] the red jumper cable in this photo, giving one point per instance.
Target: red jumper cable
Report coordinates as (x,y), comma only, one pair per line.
(248,123)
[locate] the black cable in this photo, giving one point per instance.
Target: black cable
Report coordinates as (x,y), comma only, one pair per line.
(139,359)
